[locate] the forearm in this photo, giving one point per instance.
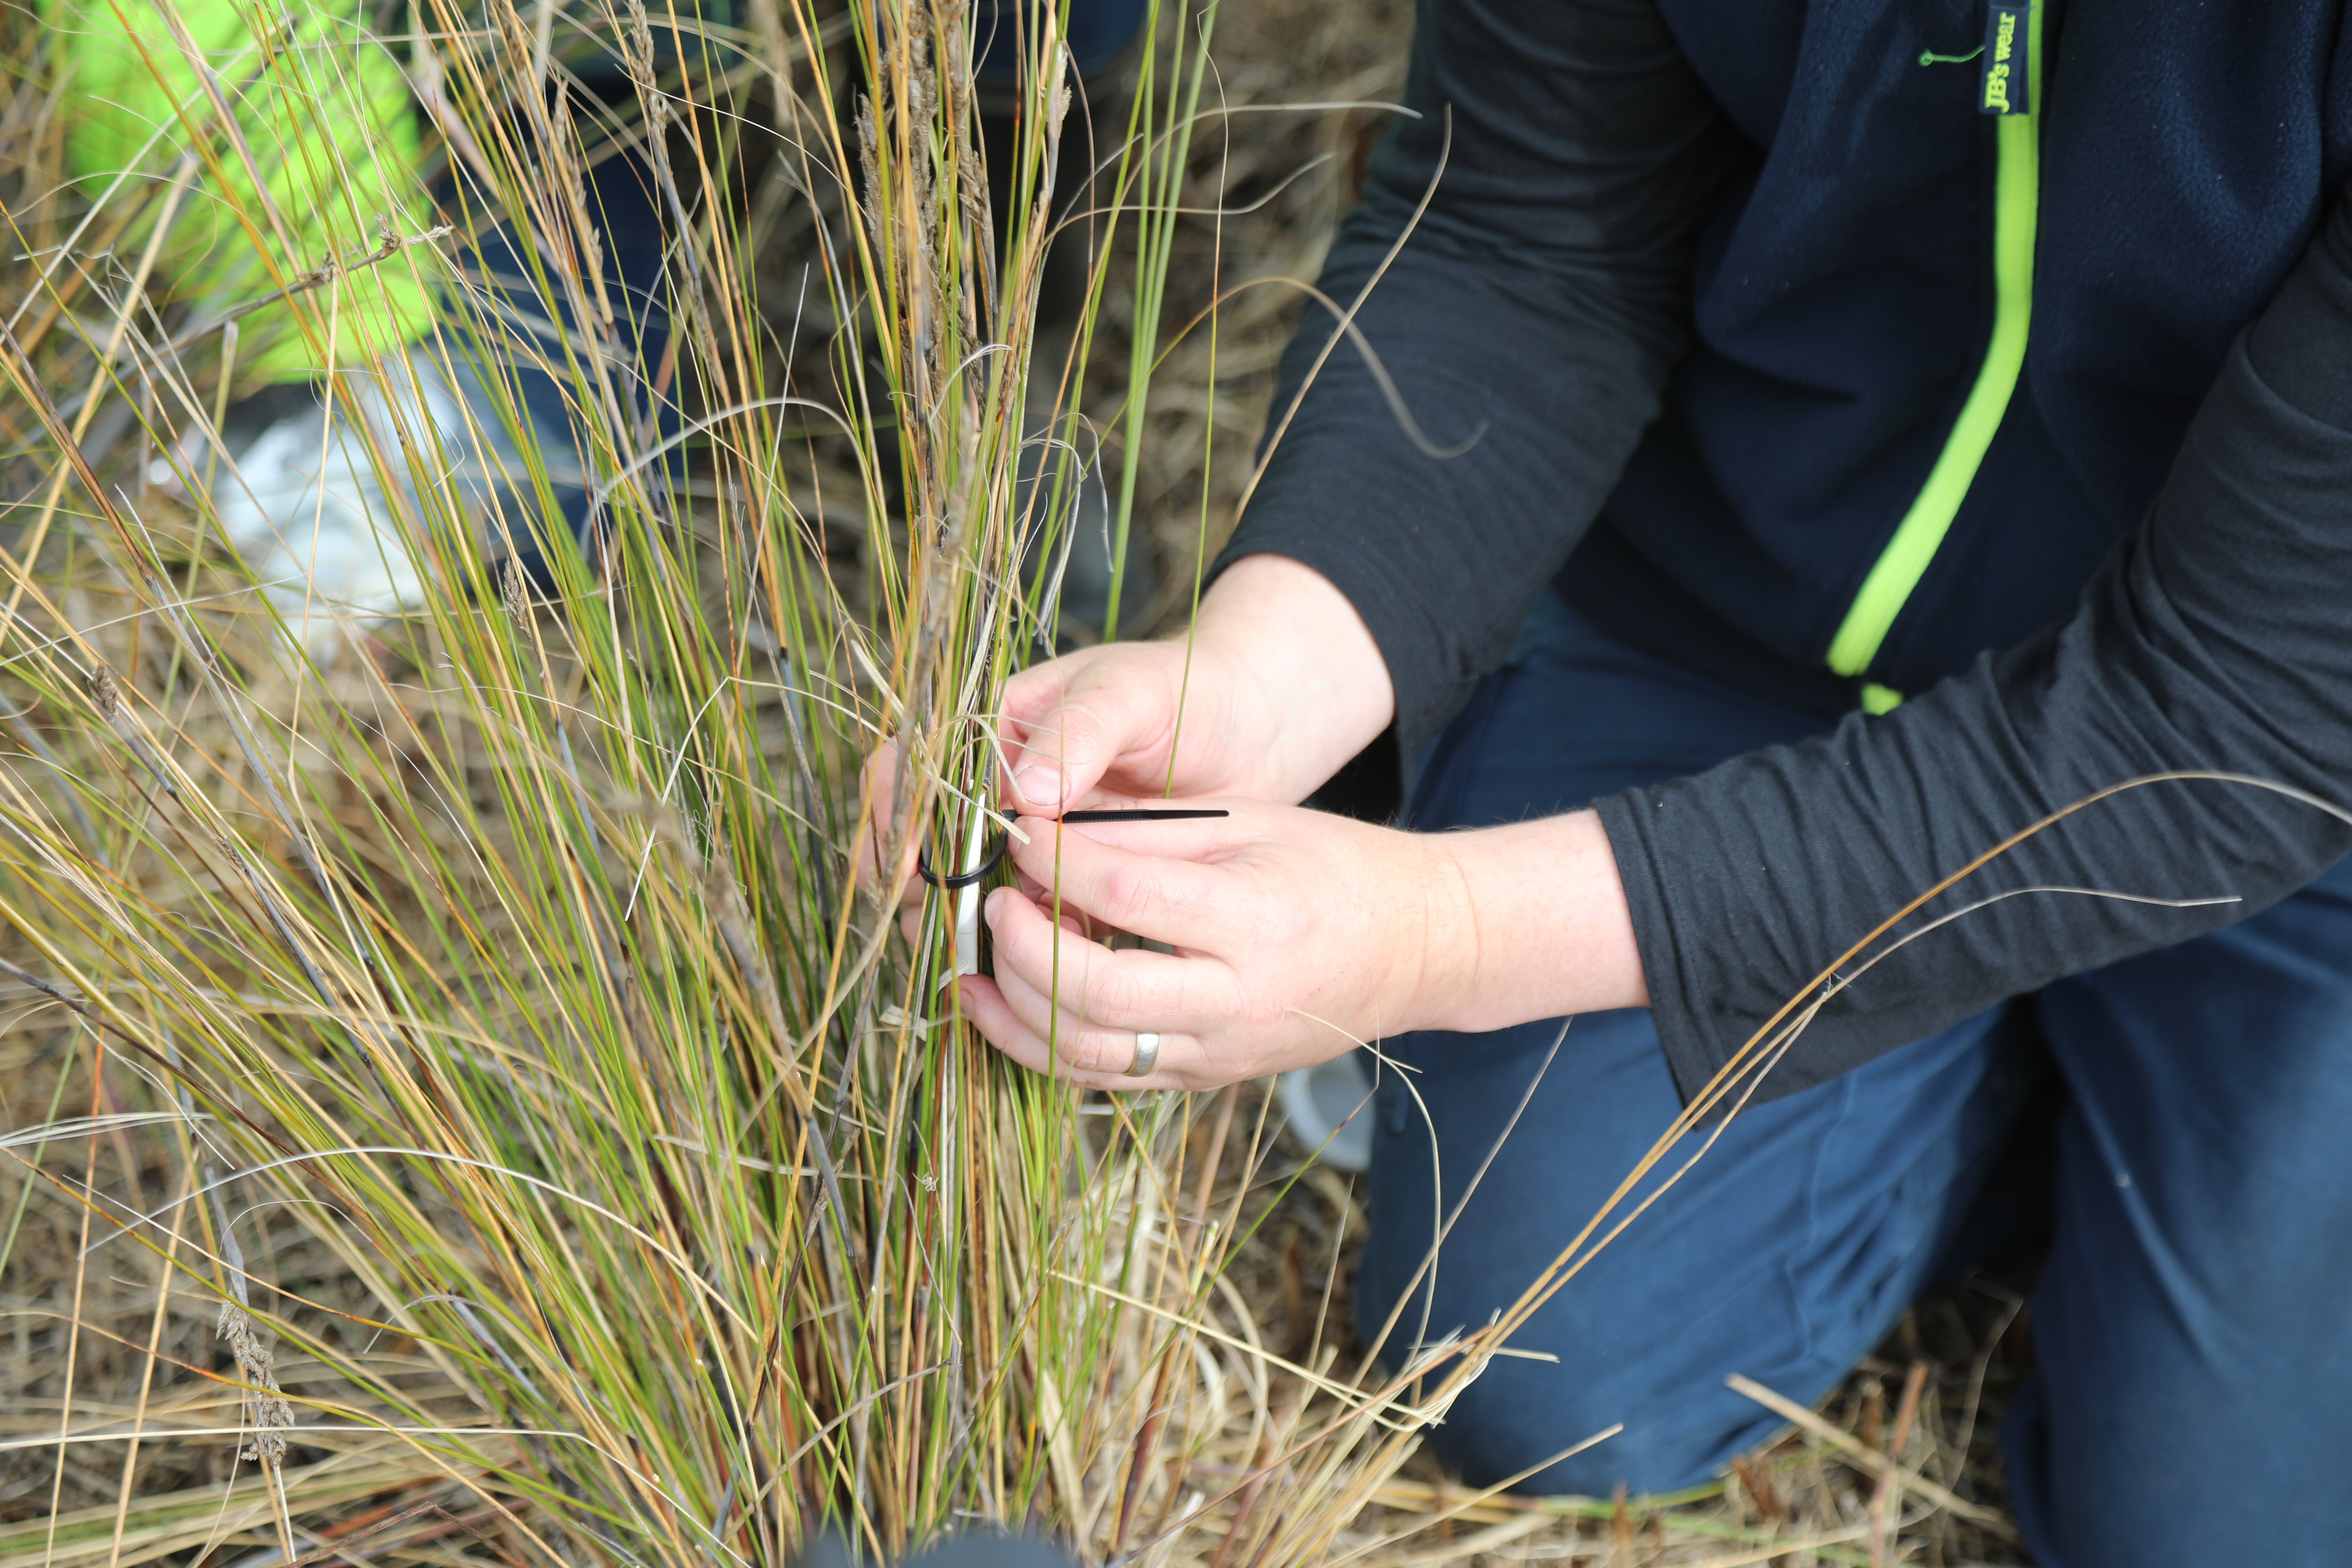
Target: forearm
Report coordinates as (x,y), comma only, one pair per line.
(1530,227)
(2213,641)
(1532,923)
(1290,648)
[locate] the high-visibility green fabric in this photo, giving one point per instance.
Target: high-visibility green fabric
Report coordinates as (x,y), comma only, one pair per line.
(322,115)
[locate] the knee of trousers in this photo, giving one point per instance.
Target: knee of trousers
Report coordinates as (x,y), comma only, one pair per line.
(1522,1415)
(1501,1426)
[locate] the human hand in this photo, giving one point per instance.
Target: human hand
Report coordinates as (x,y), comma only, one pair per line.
(1276,685)
(1297,935)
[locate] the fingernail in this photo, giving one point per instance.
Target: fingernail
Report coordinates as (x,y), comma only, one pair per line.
(993,908)
(1038,786)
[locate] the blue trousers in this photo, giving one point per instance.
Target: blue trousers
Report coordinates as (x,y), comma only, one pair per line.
(2192,1399)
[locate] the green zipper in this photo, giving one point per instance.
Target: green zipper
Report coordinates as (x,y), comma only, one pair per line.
(2017,189)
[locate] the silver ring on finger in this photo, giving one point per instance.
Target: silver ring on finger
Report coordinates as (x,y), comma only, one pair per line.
(1146,1056)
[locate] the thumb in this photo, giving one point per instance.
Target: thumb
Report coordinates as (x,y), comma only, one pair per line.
(1109,710)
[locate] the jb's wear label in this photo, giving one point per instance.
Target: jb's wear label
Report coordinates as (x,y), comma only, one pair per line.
(2002,87)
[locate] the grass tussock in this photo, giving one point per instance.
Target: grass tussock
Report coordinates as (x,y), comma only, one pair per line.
(461,1107)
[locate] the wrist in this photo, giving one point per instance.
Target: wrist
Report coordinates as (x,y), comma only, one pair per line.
(1528,920)
(1296,663)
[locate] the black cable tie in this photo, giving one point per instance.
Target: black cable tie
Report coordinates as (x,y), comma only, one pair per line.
(988,862)
(963,878)
(1141,814)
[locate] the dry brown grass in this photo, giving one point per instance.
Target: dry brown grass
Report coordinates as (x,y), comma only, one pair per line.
(1808,1498)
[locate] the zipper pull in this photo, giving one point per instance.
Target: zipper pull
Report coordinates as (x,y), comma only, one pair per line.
(2001,79)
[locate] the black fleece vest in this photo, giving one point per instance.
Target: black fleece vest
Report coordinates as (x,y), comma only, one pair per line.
(1845,298)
